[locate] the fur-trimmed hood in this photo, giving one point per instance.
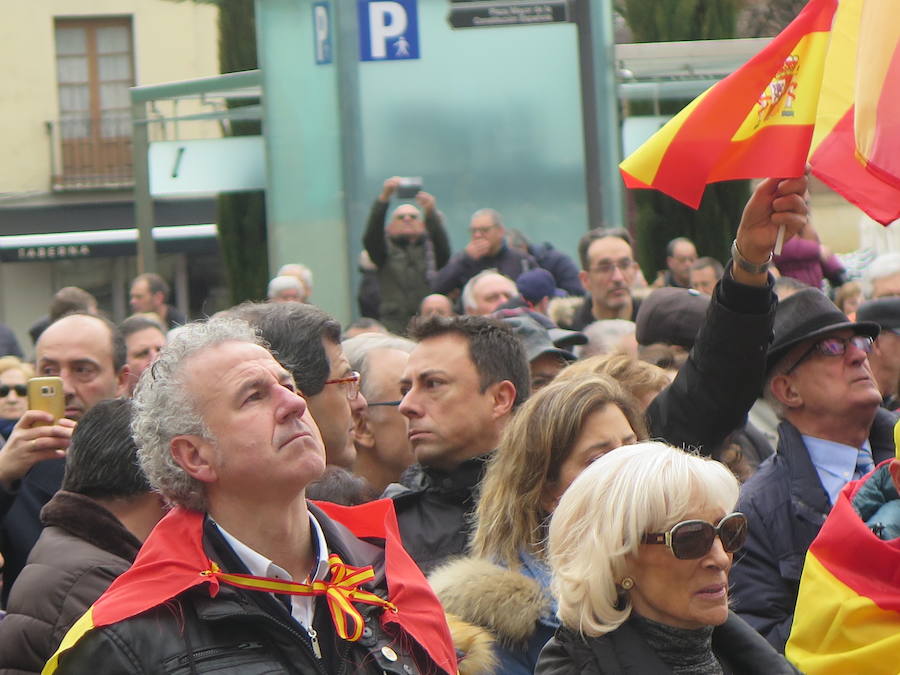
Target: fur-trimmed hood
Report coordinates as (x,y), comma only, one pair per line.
(506,603)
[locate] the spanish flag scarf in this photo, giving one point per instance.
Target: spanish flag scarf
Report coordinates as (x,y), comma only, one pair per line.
(173,560)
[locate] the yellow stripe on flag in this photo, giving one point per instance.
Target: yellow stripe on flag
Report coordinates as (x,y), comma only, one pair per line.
(881,26)
(836,631)
(839,78)
(76,632)
(793,95)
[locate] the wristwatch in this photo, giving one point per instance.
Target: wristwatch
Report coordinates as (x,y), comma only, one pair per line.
(746,265)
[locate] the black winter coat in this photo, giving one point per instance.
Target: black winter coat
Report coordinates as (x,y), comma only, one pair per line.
(739,649)
(785,505)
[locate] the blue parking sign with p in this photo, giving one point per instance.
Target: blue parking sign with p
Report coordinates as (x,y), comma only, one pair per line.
(388,30)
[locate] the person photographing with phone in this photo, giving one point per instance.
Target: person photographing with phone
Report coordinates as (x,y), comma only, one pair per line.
(87,354)
(407,250)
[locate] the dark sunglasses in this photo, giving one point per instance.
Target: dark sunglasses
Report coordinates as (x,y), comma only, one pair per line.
(834,346)
(391,403)
(692,539)
(20,389)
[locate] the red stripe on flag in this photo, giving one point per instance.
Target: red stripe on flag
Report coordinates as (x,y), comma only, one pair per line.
(835,164)
(775,150)
(879,578)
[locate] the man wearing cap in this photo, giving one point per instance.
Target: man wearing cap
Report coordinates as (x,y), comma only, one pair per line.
(671,316)
(884,359)
(833,430)
(545,360)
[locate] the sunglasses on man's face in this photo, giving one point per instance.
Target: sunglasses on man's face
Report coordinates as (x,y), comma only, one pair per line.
(692,539)
(20,389)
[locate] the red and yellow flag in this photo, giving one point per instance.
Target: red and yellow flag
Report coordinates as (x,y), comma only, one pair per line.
(826,89)
(756,122)
(856,146)
(173,560)
(847,618)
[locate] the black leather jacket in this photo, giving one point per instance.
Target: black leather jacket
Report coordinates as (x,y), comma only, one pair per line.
(739,649)
(248,633)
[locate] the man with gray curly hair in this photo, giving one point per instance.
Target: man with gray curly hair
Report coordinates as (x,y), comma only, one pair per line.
(243,574)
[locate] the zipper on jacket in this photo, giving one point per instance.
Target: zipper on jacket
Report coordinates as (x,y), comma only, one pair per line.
(314,641)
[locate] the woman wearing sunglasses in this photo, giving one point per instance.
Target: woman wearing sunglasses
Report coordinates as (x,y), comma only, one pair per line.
(640,546)
(13,394)
(504,586)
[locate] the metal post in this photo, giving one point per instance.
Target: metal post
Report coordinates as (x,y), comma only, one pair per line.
(143,203)
(599,111)
(354,202)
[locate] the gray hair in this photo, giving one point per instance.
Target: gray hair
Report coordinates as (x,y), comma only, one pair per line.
(885,265)
(468,291)
(358,348)
(164,408)
(605,336)
(284,283)
(494,215)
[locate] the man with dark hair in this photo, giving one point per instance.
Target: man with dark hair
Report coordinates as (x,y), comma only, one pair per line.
(833,430)
(705,274)
(407,252)
(88,353)
(607,271)
(144,339)
(93,528)
(487,249)
(244,575)
(680,255)
(149,292)
(307,341)
(460,386)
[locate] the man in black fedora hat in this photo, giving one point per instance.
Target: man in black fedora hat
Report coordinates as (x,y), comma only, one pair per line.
(833,430)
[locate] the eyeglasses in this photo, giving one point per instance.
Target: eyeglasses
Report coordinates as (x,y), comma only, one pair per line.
(390,403)
(834,346)
(406,216)
(351,384)
(692,539)
(607,267)
(482,230)
(20,389)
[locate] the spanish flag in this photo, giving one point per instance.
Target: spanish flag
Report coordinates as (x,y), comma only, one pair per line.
(856,146)
(826,89)
(173,560)
(756,122)
(847,618)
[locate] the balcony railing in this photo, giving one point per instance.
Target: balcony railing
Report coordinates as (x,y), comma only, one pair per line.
(89,153)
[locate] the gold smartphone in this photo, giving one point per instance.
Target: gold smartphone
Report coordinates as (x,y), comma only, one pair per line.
(46,393)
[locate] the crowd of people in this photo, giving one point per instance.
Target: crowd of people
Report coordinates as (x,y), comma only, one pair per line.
(463,479)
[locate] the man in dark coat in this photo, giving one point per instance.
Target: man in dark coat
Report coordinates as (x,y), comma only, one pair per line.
(88,353)
(243,575)
(820,384)
(460,386)
(486,250)
(94,527)
(407,253)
